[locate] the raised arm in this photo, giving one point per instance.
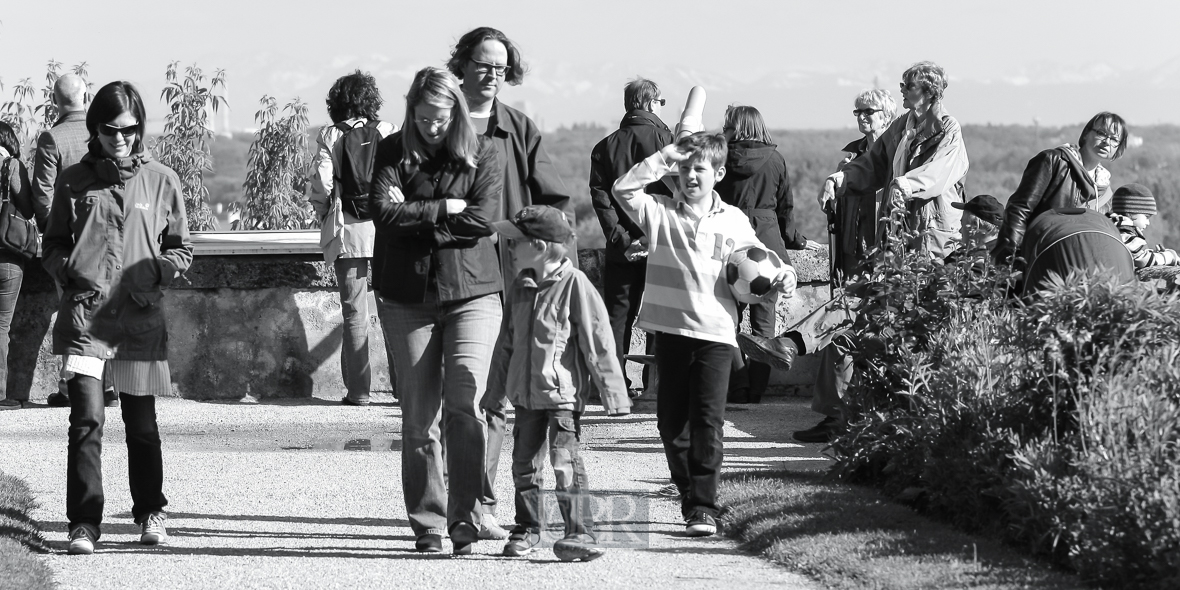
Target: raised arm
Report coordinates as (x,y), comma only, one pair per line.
(628,190)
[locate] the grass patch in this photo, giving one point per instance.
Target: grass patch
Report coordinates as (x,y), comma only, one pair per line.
(19,534)
(847,536)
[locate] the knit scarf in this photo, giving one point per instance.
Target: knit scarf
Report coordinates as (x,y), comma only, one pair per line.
(114,170)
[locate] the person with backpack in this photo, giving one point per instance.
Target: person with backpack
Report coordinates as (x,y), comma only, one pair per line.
(14,187)
(340,196)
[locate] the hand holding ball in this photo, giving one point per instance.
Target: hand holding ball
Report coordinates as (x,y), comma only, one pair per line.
(754,272)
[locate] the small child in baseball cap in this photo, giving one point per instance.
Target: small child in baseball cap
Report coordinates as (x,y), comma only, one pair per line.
(1131,208)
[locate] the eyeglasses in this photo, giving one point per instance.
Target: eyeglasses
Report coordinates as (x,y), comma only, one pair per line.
(484,68)
(907,86)
(1108,138)
(865,112)
(660,101)
(127,132)
(433,123)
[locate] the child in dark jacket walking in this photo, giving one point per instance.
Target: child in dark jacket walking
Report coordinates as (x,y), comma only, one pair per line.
(555,343)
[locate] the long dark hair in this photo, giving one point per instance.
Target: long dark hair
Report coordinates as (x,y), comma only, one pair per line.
(8,140)
(111,101)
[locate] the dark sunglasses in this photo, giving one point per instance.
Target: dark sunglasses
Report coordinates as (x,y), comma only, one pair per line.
(127,132)
(660,101)
(865,112)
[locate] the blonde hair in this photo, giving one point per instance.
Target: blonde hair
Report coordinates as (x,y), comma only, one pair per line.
(436,86)
(878,98)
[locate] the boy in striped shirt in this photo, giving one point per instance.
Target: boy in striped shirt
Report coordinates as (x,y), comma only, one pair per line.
(1132,207)
(687,304)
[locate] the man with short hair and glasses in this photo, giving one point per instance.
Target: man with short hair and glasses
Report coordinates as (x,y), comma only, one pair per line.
(641,133)
(484,59)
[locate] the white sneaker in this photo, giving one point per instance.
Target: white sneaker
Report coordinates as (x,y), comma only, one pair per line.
(153,529)
(489,528)
(82,540)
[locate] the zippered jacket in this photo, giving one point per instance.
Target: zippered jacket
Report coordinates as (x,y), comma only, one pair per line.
(555,346)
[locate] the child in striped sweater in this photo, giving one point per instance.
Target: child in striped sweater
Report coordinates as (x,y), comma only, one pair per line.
(688,305)
(1132,207)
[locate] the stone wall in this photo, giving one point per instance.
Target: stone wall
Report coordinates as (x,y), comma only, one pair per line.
(270,326)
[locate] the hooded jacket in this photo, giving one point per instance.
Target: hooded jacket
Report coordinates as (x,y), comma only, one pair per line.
(555,344)
(1053,179)
(640,135)
(756,181)
(117,233)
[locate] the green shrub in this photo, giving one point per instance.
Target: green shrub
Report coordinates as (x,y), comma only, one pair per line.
(1052,422)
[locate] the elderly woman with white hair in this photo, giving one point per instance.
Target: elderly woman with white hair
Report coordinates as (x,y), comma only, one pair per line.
(920,161)
(855,214)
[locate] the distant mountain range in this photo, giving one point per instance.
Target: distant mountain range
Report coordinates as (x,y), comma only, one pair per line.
(561,94)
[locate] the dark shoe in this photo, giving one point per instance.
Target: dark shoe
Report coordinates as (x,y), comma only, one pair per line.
(578,547)
(776,352)
(463,536)
(428,543)
(82,540)
(521,542)
(700,524)
(110,399)
(634,393)
(348,401)
(740,395)
(58,400)
(820,433)
(643,359)
(10,404)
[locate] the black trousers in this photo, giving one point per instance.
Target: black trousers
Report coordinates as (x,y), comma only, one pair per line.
(690,415)
(622,290)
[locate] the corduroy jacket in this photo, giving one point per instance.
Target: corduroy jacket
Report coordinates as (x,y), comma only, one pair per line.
(112,244)
(418,246)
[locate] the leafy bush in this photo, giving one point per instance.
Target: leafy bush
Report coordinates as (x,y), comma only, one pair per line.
(278,166)
(184,146)
(1052,422)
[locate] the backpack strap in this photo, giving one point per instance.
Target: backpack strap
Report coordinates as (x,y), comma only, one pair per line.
(4,174)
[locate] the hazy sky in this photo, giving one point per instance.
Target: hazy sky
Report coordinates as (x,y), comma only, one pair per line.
(1055,60)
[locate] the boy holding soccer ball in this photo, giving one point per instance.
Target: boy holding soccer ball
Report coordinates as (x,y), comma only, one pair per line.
(691,310)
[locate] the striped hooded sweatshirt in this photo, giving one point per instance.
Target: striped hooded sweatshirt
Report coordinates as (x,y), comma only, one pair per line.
(686,292)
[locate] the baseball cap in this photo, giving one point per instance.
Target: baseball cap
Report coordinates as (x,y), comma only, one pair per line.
(540,222)
(985,207)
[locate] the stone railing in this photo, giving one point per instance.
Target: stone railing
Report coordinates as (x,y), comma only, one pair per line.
(258,316)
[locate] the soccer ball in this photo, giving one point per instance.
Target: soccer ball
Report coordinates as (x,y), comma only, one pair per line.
(751,272)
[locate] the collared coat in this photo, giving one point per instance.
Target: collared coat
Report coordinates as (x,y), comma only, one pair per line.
(58,148)
(112,244)
(756,181)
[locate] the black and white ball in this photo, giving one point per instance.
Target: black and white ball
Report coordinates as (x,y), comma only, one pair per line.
(751,272)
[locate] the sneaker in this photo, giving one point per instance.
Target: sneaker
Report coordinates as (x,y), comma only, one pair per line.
(58,400)
(428,543)
(152,529)
(489,528)
(521,542)
(110,398)
(700,524)
(578,547)
(776,352)
(82,539)
(463,536)
(823,432)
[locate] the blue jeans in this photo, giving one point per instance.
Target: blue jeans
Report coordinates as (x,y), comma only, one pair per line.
(690,415)
(145,465)
(11,275)
(563,432)
(352,276)
(430,340)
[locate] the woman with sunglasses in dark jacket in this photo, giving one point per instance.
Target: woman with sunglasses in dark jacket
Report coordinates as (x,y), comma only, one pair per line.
(117,234)
(436,187)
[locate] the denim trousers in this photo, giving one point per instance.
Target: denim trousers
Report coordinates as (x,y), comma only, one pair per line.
(11,274)
(753,374)
(562,430)
(352,275)
(497,420)
(443,353)
(145,464)
(690,415)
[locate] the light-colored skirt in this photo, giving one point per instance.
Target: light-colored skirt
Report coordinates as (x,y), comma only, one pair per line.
(140,378)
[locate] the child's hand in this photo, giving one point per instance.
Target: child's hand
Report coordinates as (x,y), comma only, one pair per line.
(786,282)
(637,249)
(672,154)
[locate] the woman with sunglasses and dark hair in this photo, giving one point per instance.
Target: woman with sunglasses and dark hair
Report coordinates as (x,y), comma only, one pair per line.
(1066,176)
(14,185)
(436,187)
(117,233)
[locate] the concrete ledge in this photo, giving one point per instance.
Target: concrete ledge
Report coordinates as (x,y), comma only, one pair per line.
(270,326)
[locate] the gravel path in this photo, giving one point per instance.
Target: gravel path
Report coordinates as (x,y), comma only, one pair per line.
(308,495)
